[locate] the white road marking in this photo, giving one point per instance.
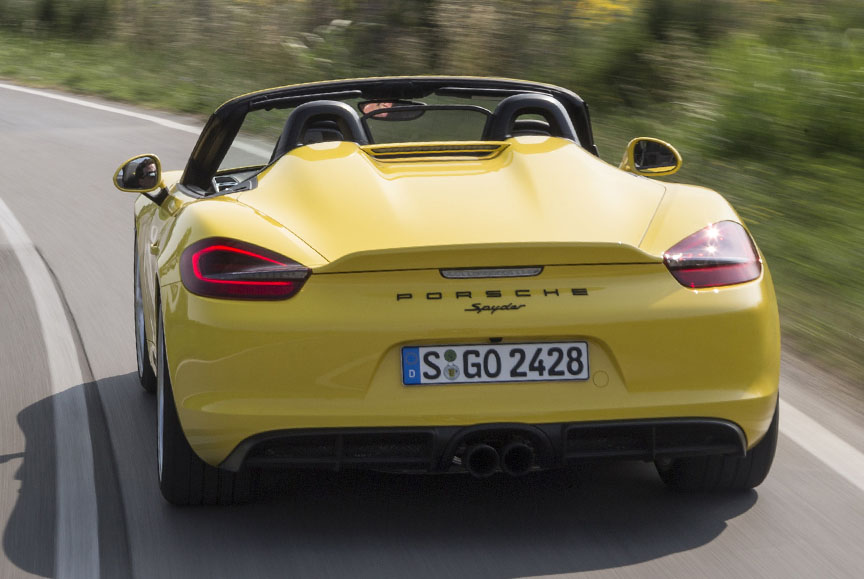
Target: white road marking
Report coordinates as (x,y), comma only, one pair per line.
(254,149)
(105,108)
(77,535)
(244,146)
(836,453)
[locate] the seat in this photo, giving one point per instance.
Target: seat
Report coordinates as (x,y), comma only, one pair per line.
(327,118)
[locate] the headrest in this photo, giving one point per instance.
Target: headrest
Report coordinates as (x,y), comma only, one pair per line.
(345,118)
(500,126)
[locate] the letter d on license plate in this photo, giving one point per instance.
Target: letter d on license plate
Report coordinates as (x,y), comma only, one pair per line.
(483,363)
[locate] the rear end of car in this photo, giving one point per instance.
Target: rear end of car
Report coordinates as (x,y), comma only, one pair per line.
(430,285)
(452,359)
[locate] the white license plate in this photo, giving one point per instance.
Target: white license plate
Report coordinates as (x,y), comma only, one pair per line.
(479,363)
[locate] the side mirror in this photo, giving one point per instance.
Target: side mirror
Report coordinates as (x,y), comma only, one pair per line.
(141,174)
(650,157)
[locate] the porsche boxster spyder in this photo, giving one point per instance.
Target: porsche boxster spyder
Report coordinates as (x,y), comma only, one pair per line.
(439,274)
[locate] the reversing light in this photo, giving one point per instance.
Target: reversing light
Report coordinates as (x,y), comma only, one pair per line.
(719,255)
(220,267)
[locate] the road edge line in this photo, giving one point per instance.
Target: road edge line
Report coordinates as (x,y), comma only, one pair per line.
(77,526)
(248,147)
(833,451)
(99,107)
(836,453)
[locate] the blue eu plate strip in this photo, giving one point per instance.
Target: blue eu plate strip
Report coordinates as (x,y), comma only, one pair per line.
(411,365)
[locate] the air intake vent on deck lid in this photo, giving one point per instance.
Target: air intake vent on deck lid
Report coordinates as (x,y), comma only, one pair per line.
(435,151)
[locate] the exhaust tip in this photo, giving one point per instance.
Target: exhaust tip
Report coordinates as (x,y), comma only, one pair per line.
(481,460)
(517,458)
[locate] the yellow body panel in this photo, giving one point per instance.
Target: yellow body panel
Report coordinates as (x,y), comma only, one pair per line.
(324,359)
(342,201)
(330,356)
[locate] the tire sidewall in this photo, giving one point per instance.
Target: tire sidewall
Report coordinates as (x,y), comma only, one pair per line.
(162,385)
(139,331)
(146,373)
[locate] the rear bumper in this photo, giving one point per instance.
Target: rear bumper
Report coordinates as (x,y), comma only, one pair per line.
(440,449)
(328,359)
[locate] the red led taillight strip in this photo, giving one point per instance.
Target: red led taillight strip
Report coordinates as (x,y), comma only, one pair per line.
(196,258)
(220,267)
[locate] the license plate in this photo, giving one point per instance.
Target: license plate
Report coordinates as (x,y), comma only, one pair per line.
(482,363)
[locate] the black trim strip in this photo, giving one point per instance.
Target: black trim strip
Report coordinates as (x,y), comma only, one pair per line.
(292,101)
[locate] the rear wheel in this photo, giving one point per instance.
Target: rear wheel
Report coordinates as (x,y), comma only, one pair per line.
(723,472)
(184,478)
(146,375)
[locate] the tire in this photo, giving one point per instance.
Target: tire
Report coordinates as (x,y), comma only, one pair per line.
(723,472)
(184,478)
(146,375)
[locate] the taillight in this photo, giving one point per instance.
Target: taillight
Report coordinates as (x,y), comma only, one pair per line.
(220,267)
(721,254)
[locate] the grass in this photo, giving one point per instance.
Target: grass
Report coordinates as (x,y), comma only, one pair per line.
(769,115)
(114,71)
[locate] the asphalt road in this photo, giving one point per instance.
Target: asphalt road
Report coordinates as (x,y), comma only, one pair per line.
(78,490)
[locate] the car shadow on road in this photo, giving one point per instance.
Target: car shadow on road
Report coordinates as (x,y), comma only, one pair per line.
(363,524)
(593,517)
(29,539)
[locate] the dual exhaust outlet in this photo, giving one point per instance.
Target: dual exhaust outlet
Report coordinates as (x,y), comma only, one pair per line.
(483,460)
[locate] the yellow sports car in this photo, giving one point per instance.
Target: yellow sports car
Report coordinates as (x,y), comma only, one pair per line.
(438,274)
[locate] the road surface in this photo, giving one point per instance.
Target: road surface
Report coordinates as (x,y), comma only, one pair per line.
(78,489)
